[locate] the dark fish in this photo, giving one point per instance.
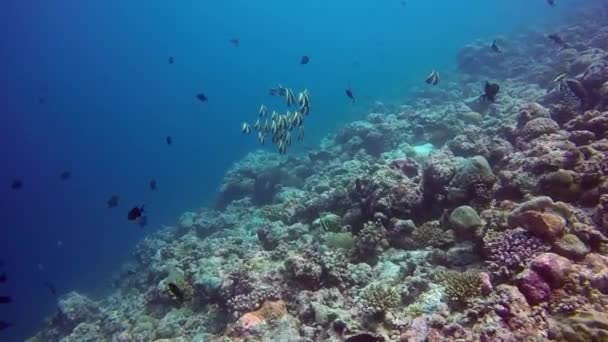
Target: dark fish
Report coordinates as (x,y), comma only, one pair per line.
(578,90)
(235,42)
(201,97)
(169,140)
(5,300)
(65,175)
(305,60)
(551,2)
(153,185)
(41,100)
(3,278)
(113,201)
(495,47)
(176,292)
(135,213)
(349,93)
(16,184)
(51,288)
(557,39)
(143,221)
(490,91)
(5,325)
(364,337)
(171,60)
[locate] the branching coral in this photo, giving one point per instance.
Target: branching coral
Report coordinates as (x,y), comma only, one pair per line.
(370,241)
(381,298)
(460,287)
(431,234)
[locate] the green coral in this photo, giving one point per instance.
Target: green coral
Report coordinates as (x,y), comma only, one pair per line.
(344,240)
(460,287)
(330,222)
(381,298)
(431,234)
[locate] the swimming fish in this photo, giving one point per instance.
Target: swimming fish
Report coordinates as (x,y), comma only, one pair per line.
(153,185)
(300,133)
(433,78)
(304,60)
(5,300)
(201,97)
(495,47)
(65,175)
(171,60)
(257,125)
(135,213)
(289,97)
(169,140)
(304,102)
(3,278)
(235,42)
(5,325)
(559,77)
(349,93)
(16,184)
(261,138)
(551,2)
(246,128)
(263,111)
(557,39)
(490,91)
(113,201)
(51,287)
(41,100)
(175,292)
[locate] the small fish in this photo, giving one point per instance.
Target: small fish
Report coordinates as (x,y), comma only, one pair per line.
(176,293)
(143,221)
(41,100)
(263,111)
(171,60)
(51,287)
(282,147)
(559,78)
(3,278)
(135,213)
(169,140)
(153,185)
(495,47)
(245,128)
(113,201)
(235,42)
(304,60)
(289,97)
(65,175)
(5,300)
(5,325)
(551,2)
(261,138)
(490,91)
(16,184)
(201,97)
(433,78)
(557,39)
(349,94)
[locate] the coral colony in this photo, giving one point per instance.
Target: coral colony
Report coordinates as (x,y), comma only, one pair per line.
(449,217)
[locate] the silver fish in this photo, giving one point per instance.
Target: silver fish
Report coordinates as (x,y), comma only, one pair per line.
(263,110)
(433,78)
(301,133)
(289,97)
(246,128)
(257,125)
(261,138)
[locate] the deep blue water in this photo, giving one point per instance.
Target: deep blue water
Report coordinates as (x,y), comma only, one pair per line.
(110,98)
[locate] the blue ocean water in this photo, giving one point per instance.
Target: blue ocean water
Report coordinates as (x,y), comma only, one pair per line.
(86,86)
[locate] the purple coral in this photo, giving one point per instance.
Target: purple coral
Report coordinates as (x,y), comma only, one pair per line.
(508,253)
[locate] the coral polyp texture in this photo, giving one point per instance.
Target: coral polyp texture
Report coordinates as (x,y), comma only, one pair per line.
(443,218)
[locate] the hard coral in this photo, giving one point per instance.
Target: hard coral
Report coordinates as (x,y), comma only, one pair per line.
(381,298)
(460,287)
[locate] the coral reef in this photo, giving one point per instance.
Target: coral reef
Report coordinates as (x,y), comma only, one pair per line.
(441,219)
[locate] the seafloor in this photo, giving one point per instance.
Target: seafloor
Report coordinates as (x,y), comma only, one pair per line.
(441,219)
